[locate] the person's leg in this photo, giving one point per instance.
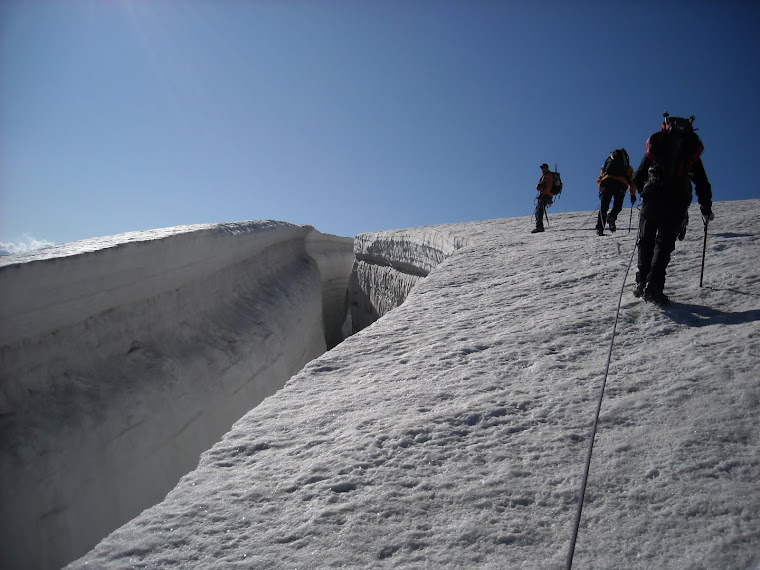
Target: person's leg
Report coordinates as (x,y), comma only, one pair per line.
(619,197)
(667,232)
(647,237)
(605,196)
(539,214)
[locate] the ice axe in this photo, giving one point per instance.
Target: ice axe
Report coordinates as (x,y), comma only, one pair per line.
(704,249)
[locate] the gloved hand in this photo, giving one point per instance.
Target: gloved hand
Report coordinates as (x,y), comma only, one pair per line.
(633,199)
(707,212)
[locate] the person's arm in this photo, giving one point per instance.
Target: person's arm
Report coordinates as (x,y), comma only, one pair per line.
(703,188)
(642,173)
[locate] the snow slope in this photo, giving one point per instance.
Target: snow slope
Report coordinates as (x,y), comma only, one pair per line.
(453,431)
(123,358)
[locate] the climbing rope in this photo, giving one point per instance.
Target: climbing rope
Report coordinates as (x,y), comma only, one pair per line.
(584,481)
(587,219)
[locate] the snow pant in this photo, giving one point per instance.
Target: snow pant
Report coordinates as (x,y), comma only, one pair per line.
(544,201)
(660,222)
(614,194)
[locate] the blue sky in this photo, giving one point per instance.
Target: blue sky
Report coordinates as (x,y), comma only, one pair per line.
(127,115)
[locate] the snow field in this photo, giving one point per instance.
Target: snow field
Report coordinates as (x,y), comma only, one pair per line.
(453,431)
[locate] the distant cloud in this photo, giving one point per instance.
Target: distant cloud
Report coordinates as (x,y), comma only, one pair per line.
(26,243)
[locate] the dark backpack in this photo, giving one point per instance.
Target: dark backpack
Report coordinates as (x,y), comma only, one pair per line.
(556,189)
(675,148)
(617,163)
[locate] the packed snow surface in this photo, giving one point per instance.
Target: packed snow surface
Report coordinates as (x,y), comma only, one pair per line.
(453,431)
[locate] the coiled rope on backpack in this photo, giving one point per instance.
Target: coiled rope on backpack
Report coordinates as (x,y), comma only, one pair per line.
(587,467)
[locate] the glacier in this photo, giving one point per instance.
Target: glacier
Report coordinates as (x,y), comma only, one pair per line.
(449,429)
(123,358)
(389,264)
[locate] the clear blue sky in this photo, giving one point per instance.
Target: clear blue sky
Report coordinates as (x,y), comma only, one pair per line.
(126,115)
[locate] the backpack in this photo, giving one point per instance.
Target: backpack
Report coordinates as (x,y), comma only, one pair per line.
(676,147)
(557,184)
(617,163)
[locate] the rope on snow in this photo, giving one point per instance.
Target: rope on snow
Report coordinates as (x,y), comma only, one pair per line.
(584,481)
(589,217)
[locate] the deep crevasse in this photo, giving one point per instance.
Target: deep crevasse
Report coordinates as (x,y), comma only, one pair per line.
(389,264)
(123,358)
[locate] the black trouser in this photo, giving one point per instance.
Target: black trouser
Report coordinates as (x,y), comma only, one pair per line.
(544,200)
(606,195)
(659,223)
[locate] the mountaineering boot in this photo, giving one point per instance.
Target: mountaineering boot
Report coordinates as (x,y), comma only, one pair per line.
(638,291)
(600,231)
(537,230)
(611,223)
(652,295)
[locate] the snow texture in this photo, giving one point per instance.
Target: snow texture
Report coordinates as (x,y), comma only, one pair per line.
(452,432)
(123,358)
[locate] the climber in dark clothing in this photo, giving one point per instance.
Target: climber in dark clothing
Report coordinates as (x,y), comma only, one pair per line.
(614,179)
(545,197)
(671,164)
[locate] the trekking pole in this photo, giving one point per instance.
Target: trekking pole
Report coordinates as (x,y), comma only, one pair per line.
(704,248)
(547,218)
(630,220)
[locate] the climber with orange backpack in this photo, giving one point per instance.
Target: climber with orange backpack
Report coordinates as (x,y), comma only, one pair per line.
(549,186)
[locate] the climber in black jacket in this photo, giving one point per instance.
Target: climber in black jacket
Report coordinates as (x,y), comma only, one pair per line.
(671,164)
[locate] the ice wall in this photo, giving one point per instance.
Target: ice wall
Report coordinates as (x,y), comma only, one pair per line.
(122,359)
(389,264)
